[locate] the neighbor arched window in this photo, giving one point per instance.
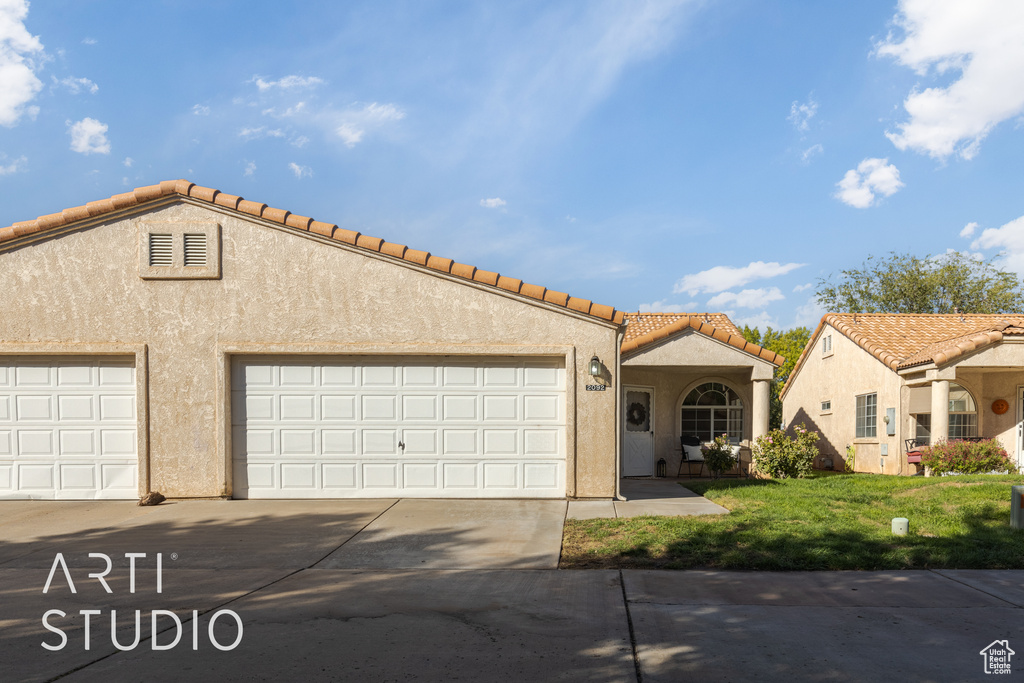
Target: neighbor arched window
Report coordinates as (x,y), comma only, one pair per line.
(963,413)
(710,410)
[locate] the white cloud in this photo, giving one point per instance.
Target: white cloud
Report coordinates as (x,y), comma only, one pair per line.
(250,169)
(200,110)
(18,82)
(492,203)
(721,278)
(89,136)
(355,122)
(300,171)
(1009,238)
(860,187)
(968,230)
(286,83)
(662,307)
(89,41)
(77,85)
(8,169)
(811,152)
(300,141)
(809,315)
(128,161)
(980,40)
(747,298)
(762,320)
(260,132)
(803,288)
(801,113)
(570,219)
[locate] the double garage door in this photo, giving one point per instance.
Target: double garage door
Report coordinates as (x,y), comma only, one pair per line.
(68,428)
(388,427)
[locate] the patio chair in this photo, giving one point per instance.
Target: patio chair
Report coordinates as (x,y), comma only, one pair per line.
(692,455)
(913,447)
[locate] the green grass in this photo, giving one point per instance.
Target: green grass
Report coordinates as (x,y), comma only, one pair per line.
(824,522)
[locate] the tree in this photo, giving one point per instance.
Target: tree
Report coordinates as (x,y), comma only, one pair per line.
(789,344)
(954,282)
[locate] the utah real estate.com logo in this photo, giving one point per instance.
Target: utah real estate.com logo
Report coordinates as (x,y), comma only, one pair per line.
(997,657)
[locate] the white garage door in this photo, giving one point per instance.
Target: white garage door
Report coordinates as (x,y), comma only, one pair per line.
(68,429)
(384,427)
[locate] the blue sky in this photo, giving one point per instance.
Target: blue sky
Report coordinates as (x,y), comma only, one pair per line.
(689,155)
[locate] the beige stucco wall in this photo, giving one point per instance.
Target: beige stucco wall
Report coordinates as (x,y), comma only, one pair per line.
(281,291)
(848,372)
(675,367)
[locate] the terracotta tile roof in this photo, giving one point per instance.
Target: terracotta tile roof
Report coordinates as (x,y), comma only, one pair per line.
(647,328)
(184,188)
(905,340)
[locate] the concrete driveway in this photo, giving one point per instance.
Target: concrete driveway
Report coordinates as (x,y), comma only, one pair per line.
(449,590)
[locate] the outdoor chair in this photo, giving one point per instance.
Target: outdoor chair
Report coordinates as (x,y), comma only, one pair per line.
(913,447)
(692,455)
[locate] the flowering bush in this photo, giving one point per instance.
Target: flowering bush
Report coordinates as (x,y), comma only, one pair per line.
(718,455)
(779,456)
(967,457)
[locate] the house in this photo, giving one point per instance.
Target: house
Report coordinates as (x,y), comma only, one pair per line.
(873,382)
(690,374)
(184,340)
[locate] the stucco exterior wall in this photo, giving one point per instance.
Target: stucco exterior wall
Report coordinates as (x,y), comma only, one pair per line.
(280,292)
(849,371)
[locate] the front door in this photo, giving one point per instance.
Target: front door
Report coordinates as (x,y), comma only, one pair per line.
(1020,426)
(638,435)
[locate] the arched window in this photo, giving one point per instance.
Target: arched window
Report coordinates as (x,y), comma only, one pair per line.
(710,410)
(963,413)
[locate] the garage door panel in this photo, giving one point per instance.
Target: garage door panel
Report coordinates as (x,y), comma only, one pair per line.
(78,477)
(466,426)
(35,442)
(5,408)
(114,408)
(76,408)
(34,408)
(5,443)
(117,442)
(116,375)
(36,477)
(76,376)
(78,442)
(419,475)
(33,376)
(6,478)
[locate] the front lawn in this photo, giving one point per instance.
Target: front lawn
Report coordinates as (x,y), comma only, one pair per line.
(826,522)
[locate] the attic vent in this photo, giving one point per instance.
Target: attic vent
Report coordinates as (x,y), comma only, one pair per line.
(161,250)
(195,250)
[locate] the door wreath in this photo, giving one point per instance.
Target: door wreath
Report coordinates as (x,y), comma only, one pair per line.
(636,414)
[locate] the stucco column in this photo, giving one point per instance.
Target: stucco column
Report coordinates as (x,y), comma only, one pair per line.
(940,410)
(761,405)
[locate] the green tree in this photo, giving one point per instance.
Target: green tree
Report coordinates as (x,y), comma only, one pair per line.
(789,344)
(954,282)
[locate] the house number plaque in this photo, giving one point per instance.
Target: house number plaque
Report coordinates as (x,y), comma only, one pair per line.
(596,387)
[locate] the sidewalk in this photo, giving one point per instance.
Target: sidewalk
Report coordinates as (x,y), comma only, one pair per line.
(647,497)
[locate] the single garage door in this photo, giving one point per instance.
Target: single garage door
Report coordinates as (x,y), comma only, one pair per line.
(409,427)
(68,428)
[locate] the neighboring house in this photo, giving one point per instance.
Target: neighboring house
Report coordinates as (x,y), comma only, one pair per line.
(689,374)
(180,339)
(874,381)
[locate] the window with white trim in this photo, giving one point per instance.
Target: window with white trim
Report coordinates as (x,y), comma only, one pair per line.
(710,410)
(826,406)
(867,416)
(963,413)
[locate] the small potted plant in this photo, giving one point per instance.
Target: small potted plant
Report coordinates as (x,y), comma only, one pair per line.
(718,456)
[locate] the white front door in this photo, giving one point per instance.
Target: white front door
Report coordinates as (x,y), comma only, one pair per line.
(638,434)
(1020,426)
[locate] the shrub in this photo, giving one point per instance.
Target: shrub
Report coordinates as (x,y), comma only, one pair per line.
(967,457)
(779,456)
(718,456)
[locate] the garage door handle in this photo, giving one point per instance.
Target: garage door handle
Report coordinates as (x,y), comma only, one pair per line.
(401,445)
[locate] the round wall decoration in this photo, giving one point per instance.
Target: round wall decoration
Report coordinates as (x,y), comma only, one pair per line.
(636,414)
(1000,406)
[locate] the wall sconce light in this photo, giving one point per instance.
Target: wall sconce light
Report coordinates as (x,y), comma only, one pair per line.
(595,366)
